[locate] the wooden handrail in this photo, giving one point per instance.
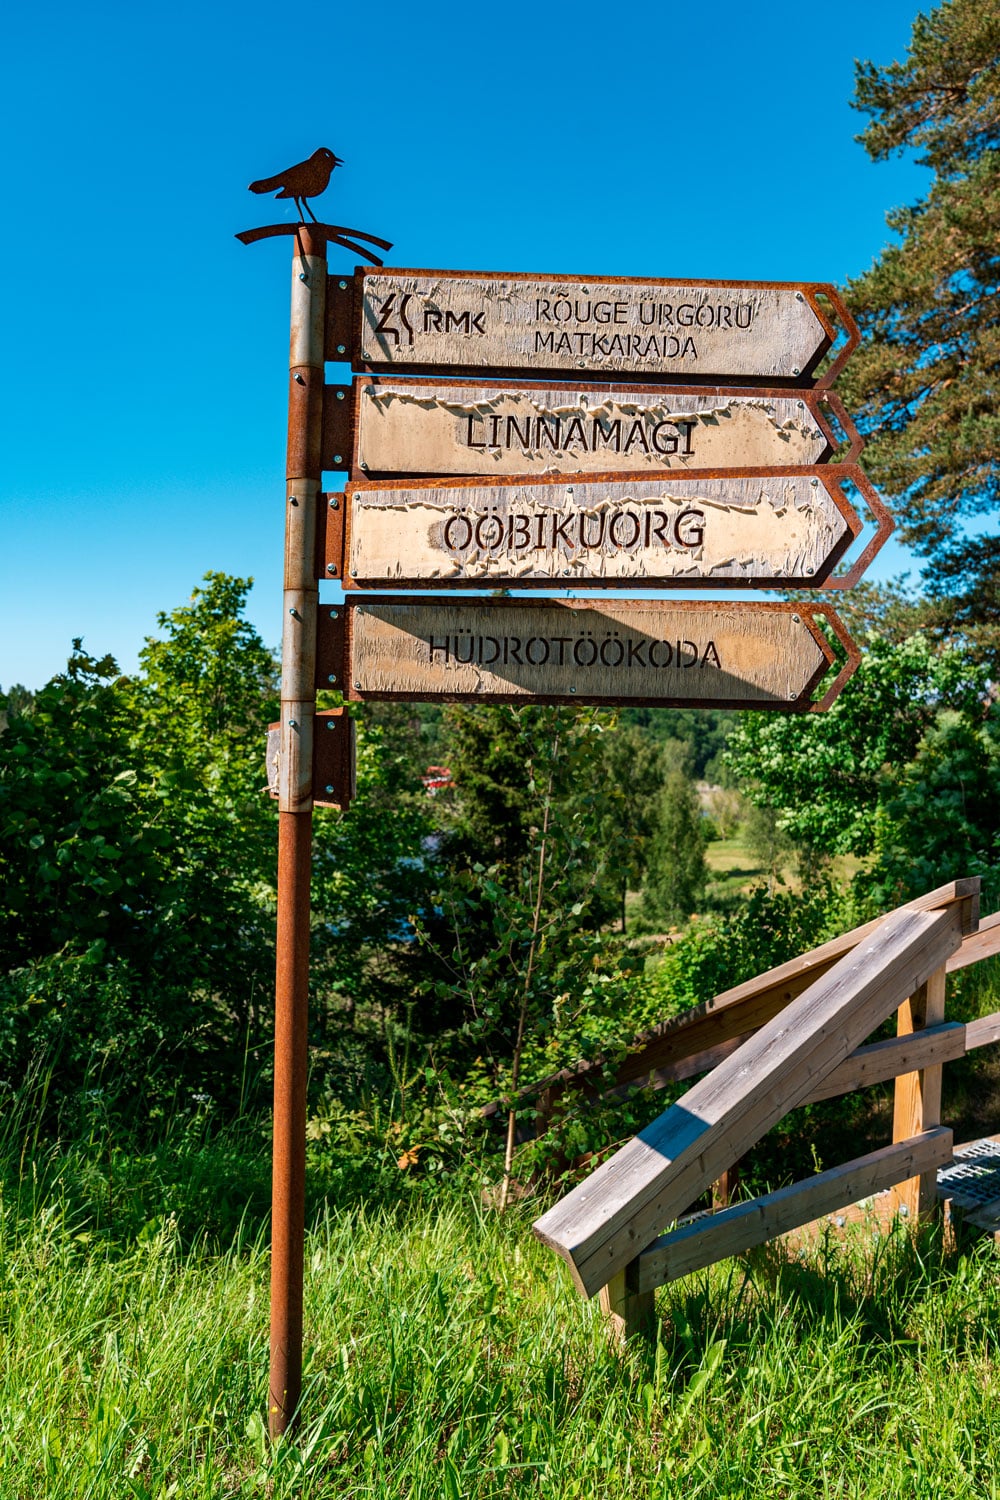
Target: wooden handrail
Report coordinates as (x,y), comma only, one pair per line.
(699,1038)
(731,1231)
(600,1226)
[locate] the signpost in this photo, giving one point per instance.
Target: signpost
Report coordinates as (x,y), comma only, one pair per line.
(708,529)
(505,322)
(416,426)
(493,480)
(623,651)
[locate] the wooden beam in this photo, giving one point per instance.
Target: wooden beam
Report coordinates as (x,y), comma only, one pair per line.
(734,1230)
(983,943)
(694,1041)
(982,1032)
(881,1061)
(604,1222)
(917,1103)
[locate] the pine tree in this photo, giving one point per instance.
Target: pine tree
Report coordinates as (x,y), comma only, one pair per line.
(924,383)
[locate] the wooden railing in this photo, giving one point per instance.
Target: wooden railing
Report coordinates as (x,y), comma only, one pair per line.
(786,1038)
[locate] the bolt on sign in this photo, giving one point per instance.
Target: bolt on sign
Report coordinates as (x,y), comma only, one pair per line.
(414,426)
(721,528)
(695,330)
(586,651)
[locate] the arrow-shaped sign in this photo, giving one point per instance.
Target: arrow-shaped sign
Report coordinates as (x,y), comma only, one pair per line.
(720,528)
(454,427)
(510,321)
(687,654)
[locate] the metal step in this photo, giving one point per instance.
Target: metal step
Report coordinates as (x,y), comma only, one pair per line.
(972,1184)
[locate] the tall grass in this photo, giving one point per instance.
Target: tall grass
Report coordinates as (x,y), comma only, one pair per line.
(448,1356)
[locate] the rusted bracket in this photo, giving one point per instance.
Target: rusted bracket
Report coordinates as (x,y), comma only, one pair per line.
(334,759)
(884,527)
(849,325)
(331,514)
(849,667)
(331,648)
(857,442)
(338,427)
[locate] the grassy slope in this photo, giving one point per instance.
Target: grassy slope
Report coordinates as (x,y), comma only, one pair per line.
(448,1356)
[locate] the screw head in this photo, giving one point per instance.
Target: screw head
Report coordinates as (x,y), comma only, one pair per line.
(362,465)
(341,348)
(814,483)
(354,572)
(792,697)
(303,276)
(358,686)
(299,379)
(331,723)
(572,690)
(334,503)
(332,677)
(333,614)
(796,370)
(342,285)
(340,395)
(293,723)
(292,500)
(802,406)
(797,619)
(294,613)
(338,458)
(331,567)
(799,297)
(329,791)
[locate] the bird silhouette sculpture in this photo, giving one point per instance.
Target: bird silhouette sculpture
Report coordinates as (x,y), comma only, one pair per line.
(307,179)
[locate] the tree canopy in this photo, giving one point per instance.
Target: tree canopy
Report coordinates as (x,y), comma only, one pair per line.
(924,383)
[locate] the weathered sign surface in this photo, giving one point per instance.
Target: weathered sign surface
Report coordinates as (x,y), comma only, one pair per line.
(582,651)
(720,528)
(465,427)
(505,322)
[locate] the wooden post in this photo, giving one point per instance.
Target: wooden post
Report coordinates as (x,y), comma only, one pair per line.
(724,1187)
(629,1314)
(917,1104)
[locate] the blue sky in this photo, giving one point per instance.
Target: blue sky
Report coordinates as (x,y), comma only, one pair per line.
(145,350)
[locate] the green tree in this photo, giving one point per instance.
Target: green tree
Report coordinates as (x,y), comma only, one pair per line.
(900,771)
(923,384)
(676,870)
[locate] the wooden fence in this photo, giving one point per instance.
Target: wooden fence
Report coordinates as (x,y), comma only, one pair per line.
(791,1036)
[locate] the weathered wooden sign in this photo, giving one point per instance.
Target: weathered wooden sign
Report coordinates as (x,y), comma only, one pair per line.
(721,528)
(507,322)
(418,426)
(583,651)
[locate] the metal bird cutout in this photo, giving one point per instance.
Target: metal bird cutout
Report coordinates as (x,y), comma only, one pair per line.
(307,179)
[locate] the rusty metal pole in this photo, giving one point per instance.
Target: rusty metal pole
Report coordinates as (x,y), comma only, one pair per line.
(298,703)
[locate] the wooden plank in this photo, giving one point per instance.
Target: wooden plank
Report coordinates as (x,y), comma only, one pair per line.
(897,1055)
(715,528)
(696,1040)
(507,322)
(983,1032)
(732,1231)
(604,1222)
(917,1102)
(587,651)
(418,426)
(984,943)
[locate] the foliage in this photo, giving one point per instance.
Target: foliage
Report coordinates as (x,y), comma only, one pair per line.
(136,847)
(831,775)
(676,872)
(923,383)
